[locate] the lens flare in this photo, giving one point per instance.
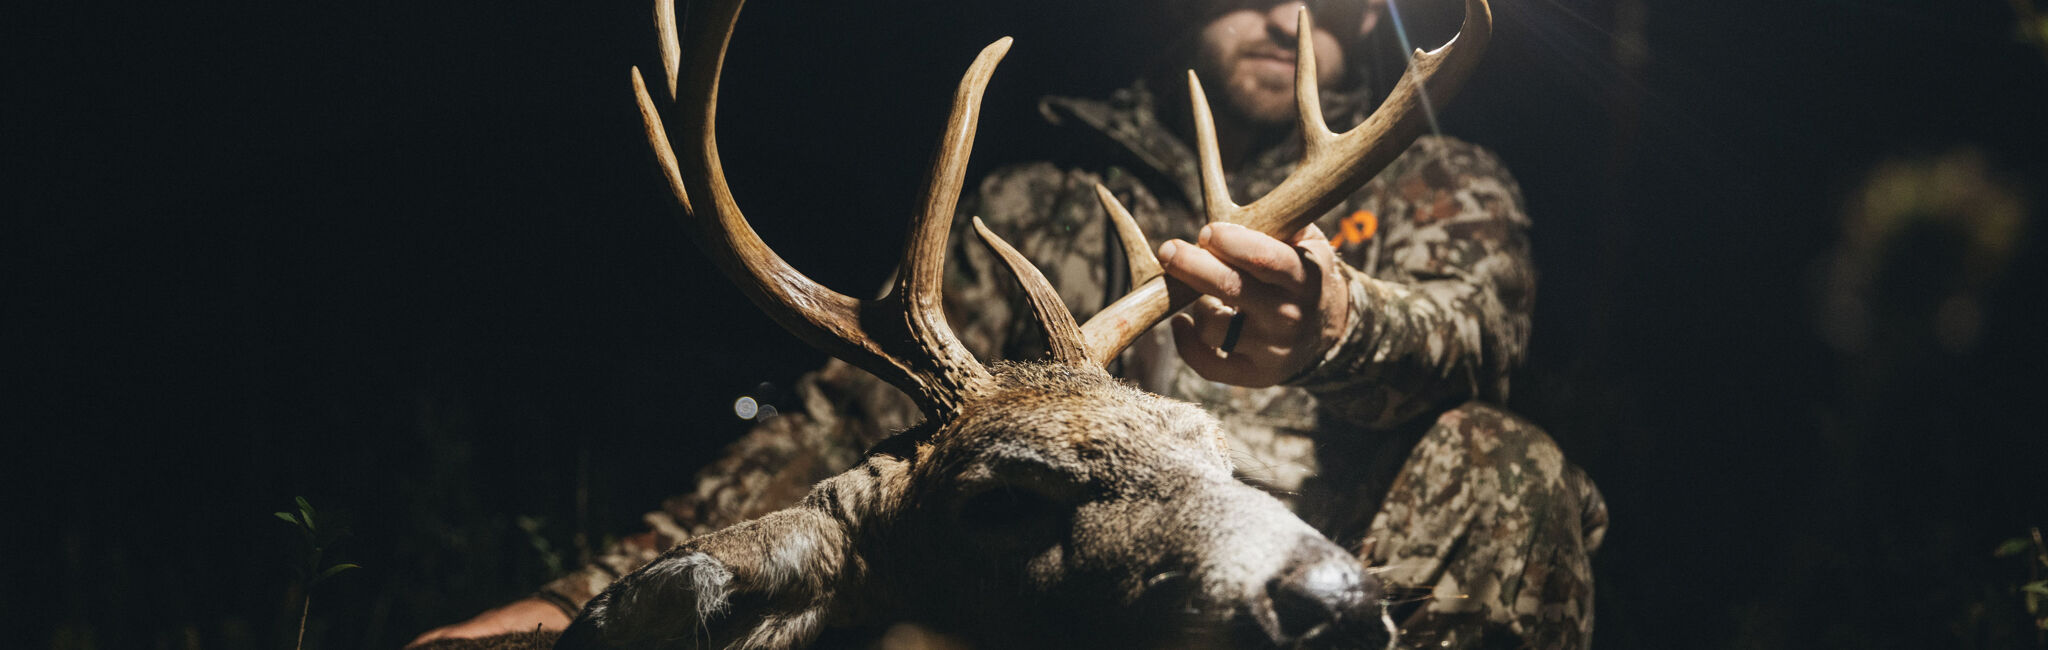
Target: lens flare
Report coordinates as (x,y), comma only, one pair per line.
(1408,50)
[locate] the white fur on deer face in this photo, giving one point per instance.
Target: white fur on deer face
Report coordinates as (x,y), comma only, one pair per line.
(1061,509)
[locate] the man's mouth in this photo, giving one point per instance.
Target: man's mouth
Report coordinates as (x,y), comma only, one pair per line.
(1272,54)
(1269,64)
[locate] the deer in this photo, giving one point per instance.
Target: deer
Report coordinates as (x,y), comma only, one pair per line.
(1041,503)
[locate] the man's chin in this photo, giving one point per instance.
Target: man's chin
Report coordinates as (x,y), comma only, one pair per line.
(1262,100)
(1264,111)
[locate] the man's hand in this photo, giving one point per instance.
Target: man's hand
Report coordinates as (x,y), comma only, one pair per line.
(1290,301)
(517,616)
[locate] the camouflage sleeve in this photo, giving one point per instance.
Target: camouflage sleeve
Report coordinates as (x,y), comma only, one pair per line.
(1441,288)
(844,409)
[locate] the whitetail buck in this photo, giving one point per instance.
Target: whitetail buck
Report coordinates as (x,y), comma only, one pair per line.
(1040,504)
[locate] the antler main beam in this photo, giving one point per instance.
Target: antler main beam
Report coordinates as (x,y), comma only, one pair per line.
(1333,166)
(902,338)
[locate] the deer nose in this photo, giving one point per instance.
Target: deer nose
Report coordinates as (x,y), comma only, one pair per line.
(1322,588)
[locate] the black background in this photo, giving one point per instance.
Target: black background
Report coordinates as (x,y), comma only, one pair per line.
(410,260)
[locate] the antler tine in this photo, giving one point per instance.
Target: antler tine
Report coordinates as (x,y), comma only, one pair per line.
(922,276)
(1062,334)
(1107,337)
(1332,167)
(1338,165)
(657,139)
(1308,94)
(903,338)
(1137,252)
(1215,189)
(671,46)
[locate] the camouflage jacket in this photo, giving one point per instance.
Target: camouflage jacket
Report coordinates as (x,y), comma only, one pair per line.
(1435,248)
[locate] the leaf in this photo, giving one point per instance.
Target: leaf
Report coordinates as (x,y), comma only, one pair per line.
(2037,587)
(2012,547)
(338,568)
(330,572)
(306,511)
(288,518)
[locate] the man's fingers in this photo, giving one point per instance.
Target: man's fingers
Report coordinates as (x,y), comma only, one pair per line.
(1276,312)
(1322,257)
(1211,321)
(1334,302)
(1308,234)
(1267,259)
(1199,334)
(1271,286)
(1200,270)
(1203,357)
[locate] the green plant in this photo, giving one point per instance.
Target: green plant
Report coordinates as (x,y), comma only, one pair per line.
(310,570)
(2035,591)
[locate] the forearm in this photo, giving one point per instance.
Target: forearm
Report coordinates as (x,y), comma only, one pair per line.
(1441,290)
(1410,347)
(572,590)
(842,411)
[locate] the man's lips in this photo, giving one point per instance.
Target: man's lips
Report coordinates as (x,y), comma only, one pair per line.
(1276,54)
(1269,62)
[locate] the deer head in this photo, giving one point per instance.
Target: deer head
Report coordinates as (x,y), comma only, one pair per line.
(1040,504)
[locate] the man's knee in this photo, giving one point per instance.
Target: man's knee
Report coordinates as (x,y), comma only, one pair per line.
(1498,529)
(1516,465)
(1477,469)
(1490,439)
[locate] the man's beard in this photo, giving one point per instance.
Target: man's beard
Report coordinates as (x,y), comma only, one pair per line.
(1261,95)
(1252,88)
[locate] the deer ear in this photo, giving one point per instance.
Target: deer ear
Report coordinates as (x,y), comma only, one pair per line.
(765,583)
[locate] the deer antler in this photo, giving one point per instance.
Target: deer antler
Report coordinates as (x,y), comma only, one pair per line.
(1332,168)
(903,337)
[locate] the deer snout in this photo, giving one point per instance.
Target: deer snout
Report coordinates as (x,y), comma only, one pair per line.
(1320,589)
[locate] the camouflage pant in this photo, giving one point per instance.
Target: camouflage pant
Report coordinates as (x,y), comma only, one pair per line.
(1484,535)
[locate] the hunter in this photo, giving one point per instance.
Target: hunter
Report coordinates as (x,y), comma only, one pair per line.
(1359,367)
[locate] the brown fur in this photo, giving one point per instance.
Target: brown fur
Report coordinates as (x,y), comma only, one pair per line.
(1059,494)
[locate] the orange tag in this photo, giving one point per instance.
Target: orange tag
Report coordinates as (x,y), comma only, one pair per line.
(1356,229)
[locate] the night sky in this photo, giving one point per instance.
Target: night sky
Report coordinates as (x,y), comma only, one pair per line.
(411,260)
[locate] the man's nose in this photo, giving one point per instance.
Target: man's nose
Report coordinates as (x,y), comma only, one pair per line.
(1283,17)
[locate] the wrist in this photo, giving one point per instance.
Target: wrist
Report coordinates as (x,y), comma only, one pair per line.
(1334,311)
(561,604)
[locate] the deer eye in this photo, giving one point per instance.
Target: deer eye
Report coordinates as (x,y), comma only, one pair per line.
(1010,513)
